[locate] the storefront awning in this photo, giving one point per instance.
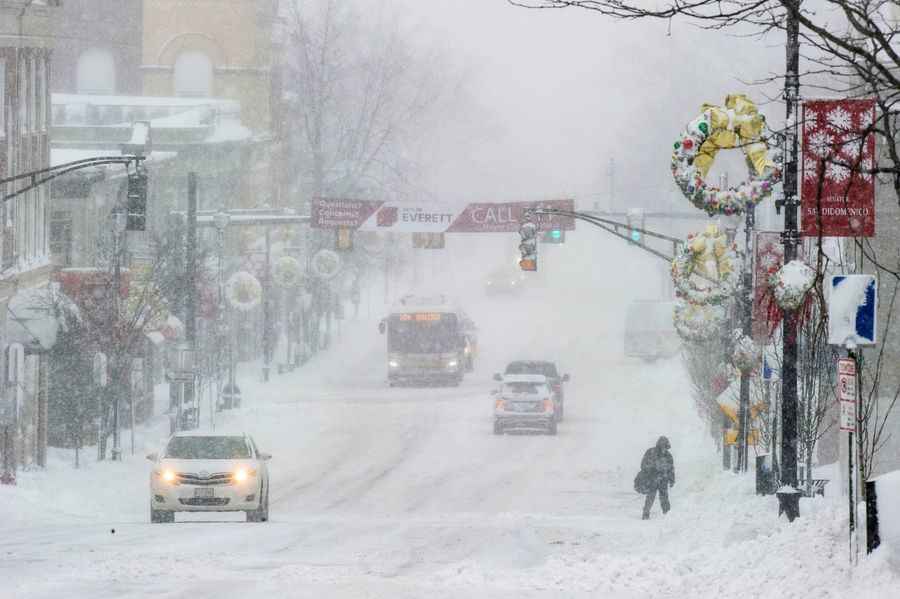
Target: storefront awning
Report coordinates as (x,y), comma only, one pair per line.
(34,317)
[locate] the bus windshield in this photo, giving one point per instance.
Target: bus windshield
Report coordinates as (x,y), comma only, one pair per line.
(422,333)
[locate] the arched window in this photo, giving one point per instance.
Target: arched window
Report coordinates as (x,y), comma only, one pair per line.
(96,72)
(193,75)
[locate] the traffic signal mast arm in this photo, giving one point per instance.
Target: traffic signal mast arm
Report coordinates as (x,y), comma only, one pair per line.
(613,227)
(48,174)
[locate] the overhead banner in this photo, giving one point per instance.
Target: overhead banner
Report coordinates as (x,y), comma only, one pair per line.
(838,189)
(395,217)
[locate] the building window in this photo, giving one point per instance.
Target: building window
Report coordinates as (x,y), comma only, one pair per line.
(61,236)
(193,75)
(96,72)
(22,80)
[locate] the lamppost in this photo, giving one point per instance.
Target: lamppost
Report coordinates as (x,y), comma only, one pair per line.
(119,221)
(221,220)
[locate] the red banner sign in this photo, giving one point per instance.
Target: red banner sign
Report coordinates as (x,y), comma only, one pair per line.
(365,215)
(837,188)
(768,255)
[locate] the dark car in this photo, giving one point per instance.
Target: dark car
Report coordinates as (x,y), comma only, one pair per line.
(547,369)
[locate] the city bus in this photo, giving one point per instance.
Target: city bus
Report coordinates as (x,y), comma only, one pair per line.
(429,340)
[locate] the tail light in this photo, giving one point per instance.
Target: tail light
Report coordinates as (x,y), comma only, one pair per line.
(557,388)
(499,404)
(548,405)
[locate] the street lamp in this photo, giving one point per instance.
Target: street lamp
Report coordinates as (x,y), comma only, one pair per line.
(119,220)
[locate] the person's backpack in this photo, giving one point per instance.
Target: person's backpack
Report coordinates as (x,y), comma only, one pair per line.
(642,482)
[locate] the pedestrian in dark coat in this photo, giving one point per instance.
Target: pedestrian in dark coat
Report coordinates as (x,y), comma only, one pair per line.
(658,474)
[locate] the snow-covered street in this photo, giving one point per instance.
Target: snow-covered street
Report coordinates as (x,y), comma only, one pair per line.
(405,492)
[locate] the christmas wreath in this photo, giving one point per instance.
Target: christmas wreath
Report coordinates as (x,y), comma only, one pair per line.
(698,323)
(287,272)
(709,256)
(243,291)
(736,125)
(791,283)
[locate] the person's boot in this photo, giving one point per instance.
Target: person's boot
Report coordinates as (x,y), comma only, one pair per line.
(646,516)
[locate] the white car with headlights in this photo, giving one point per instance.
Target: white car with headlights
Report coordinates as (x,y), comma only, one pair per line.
(524,402)
(209,472)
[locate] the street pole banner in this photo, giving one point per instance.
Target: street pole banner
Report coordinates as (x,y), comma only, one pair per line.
(395,217)
(768,258)
(837,187)
(847,394)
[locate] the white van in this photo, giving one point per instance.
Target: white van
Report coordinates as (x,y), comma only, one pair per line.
(649,331)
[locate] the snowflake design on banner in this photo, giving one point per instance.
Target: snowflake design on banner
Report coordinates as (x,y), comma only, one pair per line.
(810,169)
(865,119)
(865,166)
(820,144)
(850,147)
(840,119)
(837,172)
(812,120)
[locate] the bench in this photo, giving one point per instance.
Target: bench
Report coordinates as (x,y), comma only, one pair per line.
(817,487)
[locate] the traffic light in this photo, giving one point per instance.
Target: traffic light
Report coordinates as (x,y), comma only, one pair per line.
(554,236)
(137,202)
(528,247)
(344,239)
(635,219)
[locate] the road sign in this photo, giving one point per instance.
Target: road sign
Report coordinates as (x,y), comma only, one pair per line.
(852,310)
(847,394)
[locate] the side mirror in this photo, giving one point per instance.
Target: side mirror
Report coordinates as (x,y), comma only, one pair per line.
(264,456)
(498,377)
(153,456)
(565,378)
(381,327)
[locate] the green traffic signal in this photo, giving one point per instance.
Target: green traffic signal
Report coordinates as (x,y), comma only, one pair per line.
(556,234)
(635,235)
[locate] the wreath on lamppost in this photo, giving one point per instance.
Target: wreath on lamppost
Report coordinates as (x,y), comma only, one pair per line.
(287,272)
(736,125)
(698,323)
(708,256)
(243,291)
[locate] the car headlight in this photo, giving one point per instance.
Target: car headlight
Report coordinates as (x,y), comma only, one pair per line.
(452,364)
(394,364)
(168,476)
(242,474)
(513,283)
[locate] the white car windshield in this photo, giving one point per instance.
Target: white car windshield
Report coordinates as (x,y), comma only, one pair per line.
(520,388)
(207,448)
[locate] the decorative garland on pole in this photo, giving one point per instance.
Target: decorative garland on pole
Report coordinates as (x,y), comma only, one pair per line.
(243,291)
(791,284)
(745,356)
(736,125)
(708,255)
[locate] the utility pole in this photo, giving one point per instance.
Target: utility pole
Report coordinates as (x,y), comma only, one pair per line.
(267,309)
(746,307)
(190,325)
(790,502)
(118,223)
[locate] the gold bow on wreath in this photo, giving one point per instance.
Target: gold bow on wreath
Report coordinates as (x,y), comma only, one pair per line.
(738,124)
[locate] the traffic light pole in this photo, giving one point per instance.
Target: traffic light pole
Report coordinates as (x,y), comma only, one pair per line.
(612,227)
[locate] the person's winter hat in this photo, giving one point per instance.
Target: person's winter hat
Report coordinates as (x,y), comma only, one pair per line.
(663,443)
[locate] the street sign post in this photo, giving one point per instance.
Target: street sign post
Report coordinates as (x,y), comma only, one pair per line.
(847,394)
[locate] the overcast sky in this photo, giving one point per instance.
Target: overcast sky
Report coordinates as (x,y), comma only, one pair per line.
(562,92)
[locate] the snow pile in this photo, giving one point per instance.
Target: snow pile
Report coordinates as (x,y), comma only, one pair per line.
(888,489)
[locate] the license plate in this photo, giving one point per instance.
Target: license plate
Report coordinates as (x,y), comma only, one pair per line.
(203,492)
